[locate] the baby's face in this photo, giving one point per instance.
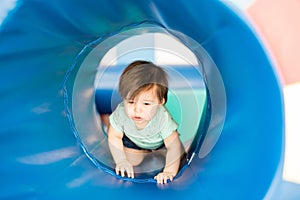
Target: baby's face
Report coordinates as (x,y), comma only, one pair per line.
(143,107)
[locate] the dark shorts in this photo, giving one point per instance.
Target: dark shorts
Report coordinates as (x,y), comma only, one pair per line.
(129,144)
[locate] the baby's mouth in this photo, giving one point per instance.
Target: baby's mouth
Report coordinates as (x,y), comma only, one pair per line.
(137,118)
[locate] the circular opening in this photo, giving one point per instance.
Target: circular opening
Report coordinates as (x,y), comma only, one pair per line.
(95,77)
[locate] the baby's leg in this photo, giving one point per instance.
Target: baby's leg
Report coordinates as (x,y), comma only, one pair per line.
(105,119)
(134,156)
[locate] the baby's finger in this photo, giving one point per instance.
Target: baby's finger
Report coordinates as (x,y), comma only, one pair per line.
(160,179)
(166,178)
(127,172)
(171,178)
(130,173)
(117,171)
(122,172)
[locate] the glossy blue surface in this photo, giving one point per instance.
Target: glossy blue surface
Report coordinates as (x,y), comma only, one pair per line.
(40,157)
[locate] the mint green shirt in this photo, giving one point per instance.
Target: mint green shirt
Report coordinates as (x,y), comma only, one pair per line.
(150,137)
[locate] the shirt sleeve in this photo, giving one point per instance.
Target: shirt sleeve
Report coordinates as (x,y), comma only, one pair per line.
(169,126)
(115,120)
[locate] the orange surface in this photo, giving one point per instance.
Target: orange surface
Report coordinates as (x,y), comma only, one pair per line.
(278,22)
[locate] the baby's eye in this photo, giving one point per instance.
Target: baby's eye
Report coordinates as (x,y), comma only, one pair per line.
(147,103)
(130,101)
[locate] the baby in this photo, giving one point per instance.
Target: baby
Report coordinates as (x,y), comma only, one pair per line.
(141,124)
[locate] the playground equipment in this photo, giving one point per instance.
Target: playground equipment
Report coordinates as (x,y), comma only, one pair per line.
(41,158)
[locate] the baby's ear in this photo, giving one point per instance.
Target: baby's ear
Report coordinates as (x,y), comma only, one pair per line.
(163,101)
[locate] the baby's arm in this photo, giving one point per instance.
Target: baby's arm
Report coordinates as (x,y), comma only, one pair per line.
(116,148)
(174,153)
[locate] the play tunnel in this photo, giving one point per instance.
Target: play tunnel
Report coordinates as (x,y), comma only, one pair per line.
(60,61)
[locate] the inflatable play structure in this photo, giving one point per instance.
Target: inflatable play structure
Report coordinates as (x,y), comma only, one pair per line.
(60,62)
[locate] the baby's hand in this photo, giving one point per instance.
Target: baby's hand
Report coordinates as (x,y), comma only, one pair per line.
(125,167)
(163,177)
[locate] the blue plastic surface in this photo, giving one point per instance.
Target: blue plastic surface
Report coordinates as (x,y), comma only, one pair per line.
(40,157)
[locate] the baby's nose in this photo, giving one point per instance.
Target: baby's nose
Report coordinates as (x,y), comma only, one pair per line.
(137,107)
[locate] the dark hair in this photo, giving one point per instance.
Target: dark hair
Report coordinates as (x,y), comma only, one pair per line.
(141,76)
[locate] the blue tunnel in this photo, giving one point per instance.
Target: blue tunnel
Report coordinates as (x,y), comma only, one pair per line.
(44,155)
